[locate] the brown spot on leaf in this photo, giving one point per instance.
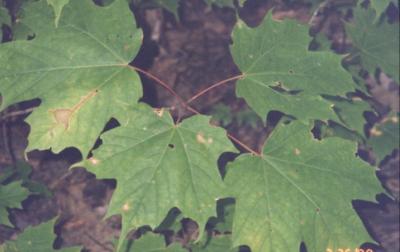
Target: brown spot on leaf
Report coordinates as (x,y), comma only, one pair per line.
(94,161)
(200,138)
(159,111)
(62,116)
(125,207)
(375,132)
(297,151)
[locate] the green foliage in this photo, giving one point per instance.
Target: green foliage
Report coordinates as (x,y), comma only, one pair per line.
(77,83)
(298,189)
(15,186)
(21,171)
(380,6)
(333,129)
(279,71)
(168,165)
(226,211)
(11,196)
(223,115)
(277,203)
(221,243)
(57,5)
(223,226)
(384,137)
(172,222)
(376,44)
(351,113)
(36,239)
(151,243)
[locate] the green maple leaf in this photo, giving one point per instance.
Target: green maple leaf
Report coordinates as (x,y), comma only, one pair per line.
(280,73)
(222,114)
(300,189)
(57,5)
(159,165)
(377,45)
(221,243)
(21,171)
(152,243)
(79,70)
(351,113)
(226,211)
(384,137)
(36,239)
(172,222)
(11,196)
(380,6)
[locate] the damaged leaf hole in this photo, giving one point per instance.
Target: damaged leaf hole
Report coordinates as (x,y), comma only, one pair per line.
(171,146)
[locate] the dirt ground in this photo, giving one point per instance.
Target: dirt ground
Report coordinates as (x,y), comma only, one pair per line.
(189,55)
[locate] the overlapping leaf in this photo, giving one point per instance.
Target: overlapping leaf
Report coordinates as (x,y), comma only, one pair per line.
(384,137)
(159,165)
(222,243)
(351,113)
(21,171)
(79,70)
(380,6)
(57,5)
(280,73)
(36,239)
(11,196)
(226,211)
(5,19)
(377,45)
(153,243)
(300,189)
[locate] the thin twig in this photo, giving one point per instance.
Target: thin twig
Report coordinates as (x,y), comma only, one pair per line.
(243,145)
(188,107)
(213,86)
(317,11)
(97,242)
(165,85)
